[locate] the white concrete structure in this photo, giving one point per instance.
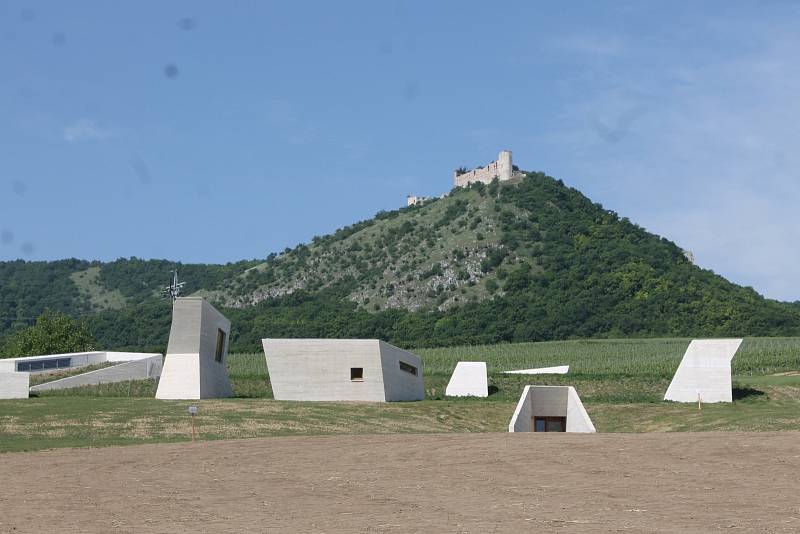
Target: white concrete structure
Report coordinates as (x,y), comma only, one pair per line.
(139,369)
(14,385)
(412,200)
(550,409)
(704,374)
(468,380)
(558,370)
(502,169)
(342,370)
(194,367)
(54,362)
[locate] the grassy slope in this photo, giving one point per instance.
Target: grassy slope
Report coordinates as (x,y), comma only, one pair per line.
(621,383)
(98,296)
(390,258)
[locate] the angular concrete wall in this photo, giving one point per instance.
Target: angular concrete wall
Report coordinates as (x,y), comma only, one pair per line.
(140,369)
(550,401)
(704,372)
(320,370)
(468,380)
(14,385)
(78,359)
(400,382)
(191,369)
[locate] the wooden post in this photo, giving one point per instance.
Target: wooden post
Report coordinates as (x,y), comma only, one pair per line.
(699,406)
(192,413)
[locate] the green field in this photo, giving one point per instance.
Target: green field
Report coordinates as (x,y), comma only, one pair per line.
(621,383)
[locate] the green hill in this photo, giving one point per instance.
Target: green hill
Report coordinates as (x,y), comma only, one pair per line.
(525,261)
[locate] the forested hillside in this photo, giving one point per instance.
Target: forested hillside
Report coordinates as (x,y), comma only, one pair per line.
(524,261)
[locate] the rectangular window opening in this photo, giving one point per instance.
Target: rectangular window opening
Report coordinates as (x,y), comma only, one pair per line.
(408,368)
(357,374)
(220,346)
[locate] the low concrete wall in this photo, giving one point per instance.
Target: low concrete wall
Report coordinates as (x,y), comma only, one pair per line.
(14,385)
(141,369)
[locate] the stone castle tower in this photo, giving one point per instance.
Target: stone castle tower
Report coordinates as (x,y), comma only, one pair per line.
(502,169)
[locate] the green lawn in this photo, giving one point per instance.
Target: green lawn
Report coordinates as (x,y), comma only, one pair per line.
(621,383)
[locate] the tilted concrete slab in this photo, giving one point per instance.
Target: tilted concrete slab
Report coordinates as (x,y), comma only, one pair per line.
(14,385)
(558,370)
(342,370)
(139,369)
(550,401)
(704,373)
(468,380)
(197,353)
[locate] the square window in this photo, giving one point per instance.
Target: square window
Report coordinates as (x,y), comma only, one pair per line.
(357,374)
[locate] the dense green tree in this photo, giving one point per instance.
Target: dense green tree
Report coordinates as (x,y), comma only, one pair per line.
(53,333)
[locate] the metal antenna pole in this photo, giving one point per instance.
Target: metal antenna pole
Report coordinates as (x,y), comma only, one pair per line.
(174,289)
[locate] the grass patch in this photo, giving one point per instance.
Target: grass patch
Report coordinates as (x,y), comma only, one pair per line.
(621,383)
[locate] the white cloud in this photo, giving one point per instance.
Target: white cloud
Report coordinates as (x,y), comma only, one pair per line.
(85,130)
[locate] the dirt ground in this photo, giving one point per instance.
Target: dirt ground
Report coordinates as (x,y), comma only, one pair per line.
(681,482)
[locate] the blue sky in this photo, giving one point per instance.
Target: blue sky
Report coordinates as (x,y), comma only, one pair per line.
(213,132)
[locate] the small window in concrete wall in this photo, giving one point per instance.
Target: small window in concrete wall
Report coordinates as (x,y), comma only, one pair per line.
(549,424)
(220,345)
(357,374)
(41,365)
(408,368)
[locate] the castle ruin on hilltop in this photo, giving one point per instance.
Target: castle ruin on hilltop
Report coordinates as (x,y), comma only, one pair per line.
(502,169)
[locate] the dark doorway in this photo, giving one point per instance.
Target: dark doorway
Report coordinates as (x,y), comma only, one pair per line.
(549,424)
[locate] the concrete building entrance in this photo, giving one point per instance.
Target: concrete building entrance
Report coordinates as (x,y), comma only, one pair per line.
(549,424)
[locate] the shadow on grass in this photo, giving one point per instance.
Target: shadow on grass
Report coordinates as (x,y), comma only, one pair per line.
(493,390)
(744,392)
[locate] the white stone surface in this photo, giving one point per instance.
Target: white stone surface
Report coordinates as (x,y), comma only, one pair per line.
(14,385)
(550,401)
(704,373)
(558,370)
(320,370)
(191,370)
(468,380)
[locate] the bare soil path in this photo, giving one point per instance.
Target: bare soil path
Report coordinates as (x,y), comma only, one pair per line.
(676,483)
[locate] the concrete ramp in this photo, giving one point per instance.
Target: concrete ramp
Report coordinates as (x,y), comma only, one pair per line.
(468,380)
(704,374)
(132,370)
